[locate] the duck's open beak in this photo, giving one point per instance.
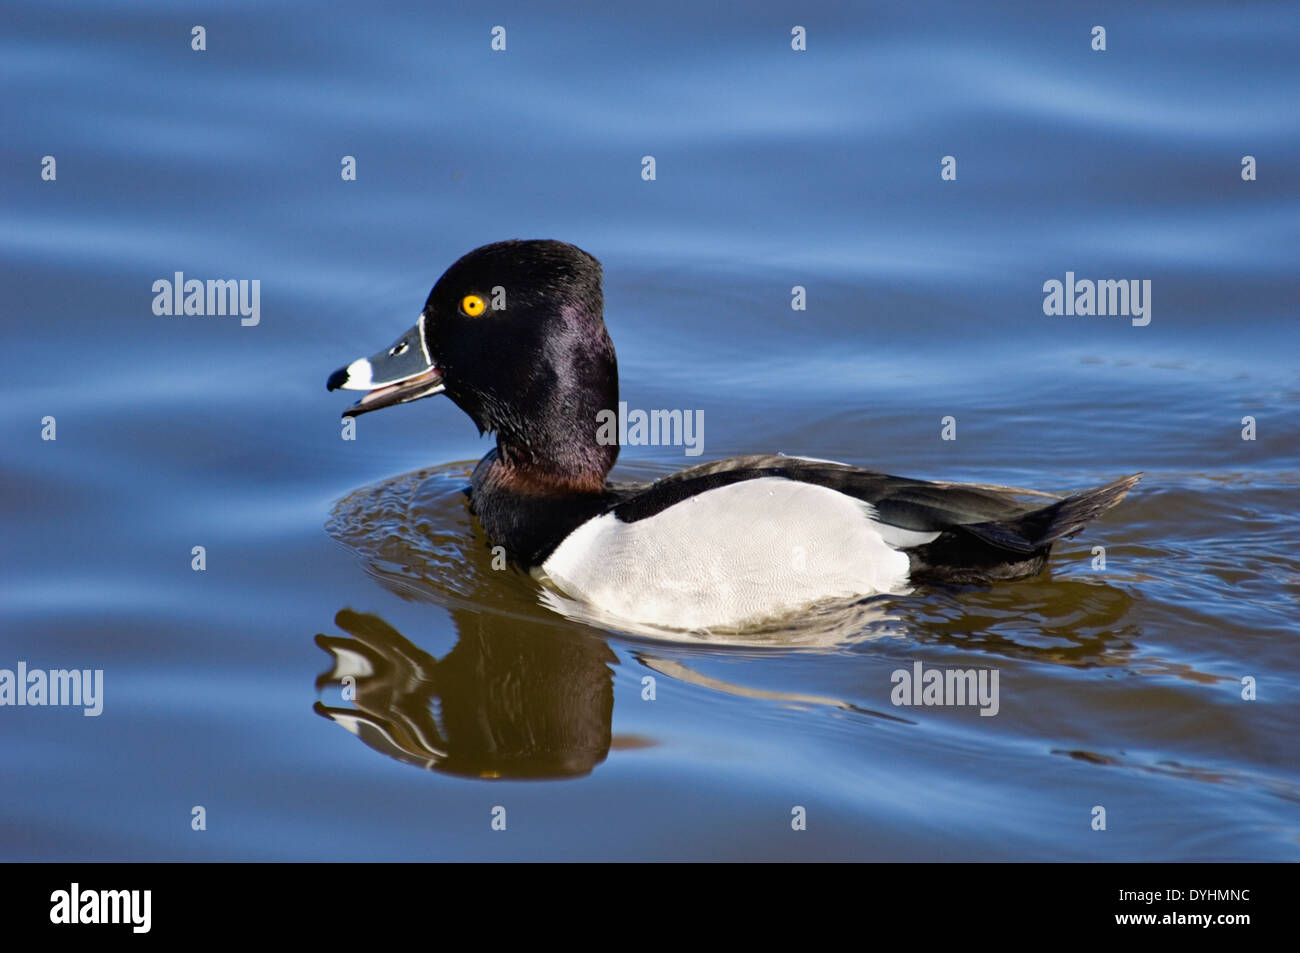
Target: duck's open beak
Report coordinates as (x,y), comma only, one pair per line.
(396,375)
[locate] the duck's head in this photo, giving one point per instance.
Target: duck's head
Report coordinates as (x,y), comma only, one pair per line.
(514,334)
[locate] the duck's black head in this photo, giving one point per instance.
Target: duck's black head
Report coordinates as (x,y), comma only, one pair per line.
(514,334)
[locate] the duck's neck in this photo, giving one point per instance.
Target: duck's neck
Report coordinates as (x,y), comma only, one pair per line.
(528,505)
(581,467)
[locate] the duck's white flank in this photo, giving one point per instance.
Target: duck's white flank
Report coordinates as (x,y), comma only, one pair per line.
(733,555)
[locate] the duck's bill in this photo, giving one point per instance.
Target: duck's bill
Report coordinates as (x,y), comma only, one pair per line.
(398,374)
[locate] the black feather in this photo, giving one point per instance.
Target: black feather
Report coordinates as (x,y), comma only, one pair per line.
(1013,547)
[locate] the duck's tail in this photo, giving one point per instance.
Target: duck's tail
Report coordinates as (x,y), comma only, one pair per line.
(1044,526)
(1013,547)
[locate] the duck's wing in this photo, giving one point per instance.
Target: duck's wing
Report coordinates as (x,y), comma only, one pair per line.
(952,531)
(909,504)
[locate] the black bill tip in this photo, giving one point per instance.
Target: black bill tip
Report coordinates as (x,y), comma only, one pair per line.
(337,379)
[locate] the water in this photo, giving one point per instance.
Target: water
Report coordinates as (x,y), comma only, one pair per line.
(1119,688)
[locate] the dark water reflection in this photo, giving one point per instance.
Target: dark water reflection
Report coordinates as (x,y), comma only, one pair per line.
(509,701)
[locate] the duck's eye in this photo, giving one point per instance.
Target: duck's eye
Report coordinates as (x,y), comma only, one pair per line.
(398,348)
(473,305)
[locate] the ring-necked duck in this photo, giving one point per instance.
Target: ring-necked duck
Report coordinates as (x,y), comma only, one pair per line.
(514,334)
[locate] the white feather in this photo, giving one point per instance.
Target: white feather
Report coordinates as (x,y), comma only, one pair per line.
(730,556)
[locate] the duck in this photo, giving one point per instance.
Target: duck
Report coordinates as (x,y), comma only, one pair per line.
(514,334)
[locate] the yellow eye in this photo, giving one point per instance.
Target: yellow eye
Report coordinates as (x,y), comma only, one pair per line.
(472,305)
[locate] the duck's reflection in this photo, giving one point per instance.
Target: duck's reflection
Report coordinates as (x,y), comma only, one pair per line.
(513,703)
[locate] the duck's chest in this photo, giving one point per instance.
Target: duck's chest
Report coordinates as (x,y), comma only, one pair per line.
(527,520)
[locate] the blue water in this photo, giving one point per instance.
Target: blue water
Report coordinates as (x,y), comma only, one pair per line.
(1120,688)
